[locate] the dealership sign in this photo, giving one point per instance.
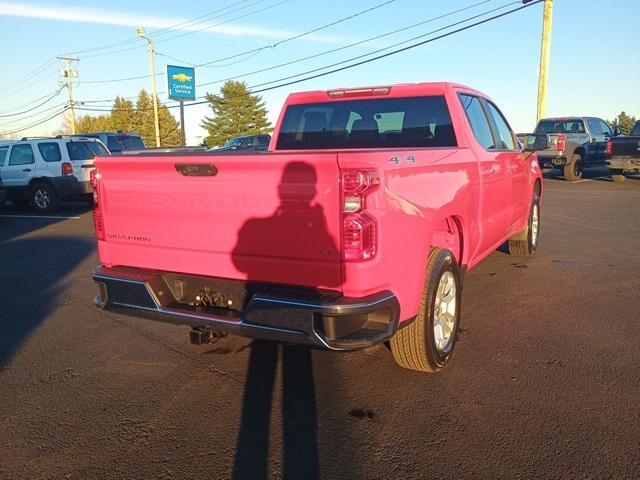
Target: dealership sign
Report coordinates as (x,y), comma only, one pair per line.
(181,82)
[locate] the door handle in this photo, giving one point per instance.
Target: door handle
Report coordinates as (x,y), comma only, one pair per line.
(26,169)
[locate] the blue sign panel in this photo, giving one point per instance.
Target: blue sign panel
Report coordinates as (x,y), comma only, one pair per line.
(182,82)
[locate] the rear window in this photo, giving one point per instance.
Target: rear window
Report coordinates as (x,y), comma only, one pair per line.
(379,123)
(634,133)
(561,126)
(117,143)
(85,150)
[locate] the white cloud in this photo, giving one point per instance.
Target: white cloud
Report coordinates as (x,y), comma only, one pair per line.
(128,19)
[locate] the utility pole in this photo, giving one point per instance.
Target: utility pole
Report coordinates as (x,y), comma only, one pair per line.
(545,54)
(152,61)
(67,75)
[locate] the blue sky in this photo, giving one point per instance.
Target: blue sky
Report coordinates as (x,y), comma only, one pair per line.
(595,63)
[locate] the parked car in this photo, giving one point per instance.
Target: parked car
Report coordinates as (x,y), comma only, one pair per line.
(44,171)
(575,143)
(354,229)
(624,155)
(117,141)
(247,143)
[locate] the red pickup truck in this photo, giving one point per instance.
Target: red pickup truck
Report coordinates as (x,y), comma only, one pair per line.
(354,228)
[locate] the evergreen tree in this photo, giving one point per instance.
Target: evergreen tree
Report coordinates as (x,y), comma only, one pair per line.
(143,119)
(623,123)
(122,115)
(90,124)
(170,134)
(235,112)
(143,122)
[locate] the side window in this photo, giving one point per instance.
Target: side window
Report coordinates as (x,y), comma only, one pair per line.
(21,155)
(506,135)
(594,126)
(3,154)
(478,121)
(50,151)
(605,128)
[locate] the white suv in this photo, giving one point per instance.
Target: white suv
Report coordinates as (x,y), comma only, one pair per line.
(45,170)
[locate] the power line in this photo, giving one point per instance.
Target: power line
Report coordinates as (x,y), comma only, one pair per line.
(270,46)
(125,79)
(46,111)
(192,31)
(13,91)
(310,57)
(36,100)
(55,94)
(35,72)
(379,57)
(35,124)
(137,39)
(309,32)
(207,27)
(211,66)
(258,50)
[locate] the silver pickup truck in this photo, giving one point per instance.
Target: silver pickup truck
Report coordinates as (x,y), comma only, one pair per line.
(575,143)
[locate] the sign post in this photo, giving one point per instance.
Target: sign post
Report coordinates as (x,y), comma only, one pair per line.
(181,86)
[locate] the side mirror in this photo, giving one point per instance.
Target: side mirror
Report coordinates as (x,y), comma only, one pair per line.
(536,142)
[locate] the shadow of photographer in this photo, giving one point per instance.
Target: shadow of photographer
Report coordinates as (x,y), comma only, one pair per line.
(296,232)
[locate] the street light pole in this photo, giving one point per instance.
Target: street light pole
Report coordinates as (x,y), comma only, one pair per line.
(545,54)
(152,60)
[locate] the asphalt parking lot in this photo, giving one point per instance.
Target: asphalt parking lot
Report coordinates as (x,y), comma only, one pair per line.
(545,381)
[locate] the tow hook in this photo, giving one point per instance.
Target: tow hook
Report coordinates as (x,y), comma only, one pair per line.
(207,298)
(205,335)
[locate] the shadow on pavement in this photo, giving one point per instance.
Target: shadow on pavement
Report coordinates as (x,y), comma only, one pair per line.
(299,414)
(17,221)
(31,280)
(595,173)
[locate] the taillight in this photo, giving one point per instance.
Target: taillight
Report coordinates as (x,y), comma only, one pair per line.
(561,143)
(359,92)
(67,169)
(94,179)
(359,228)
(609,148)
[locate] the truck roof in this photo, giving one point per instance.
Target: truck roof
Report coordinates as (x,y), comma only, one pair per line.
(566,119)
(393,91)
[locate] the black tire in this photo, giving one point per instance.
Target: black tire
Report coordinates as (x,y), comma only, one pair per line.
(414,347)
(528,246)
(44,198)
(573,169)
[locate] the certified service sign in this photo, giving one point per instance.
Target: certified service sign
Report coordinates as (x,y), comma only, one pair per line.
(182,82)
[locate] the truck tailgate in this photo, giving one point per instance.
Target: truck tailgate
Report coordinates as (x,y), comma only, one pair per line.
(264,217)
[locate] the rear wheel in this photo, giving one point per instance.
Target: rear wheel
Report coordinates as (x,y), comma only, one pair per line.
(44,198)
(427,344)
(573,169)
